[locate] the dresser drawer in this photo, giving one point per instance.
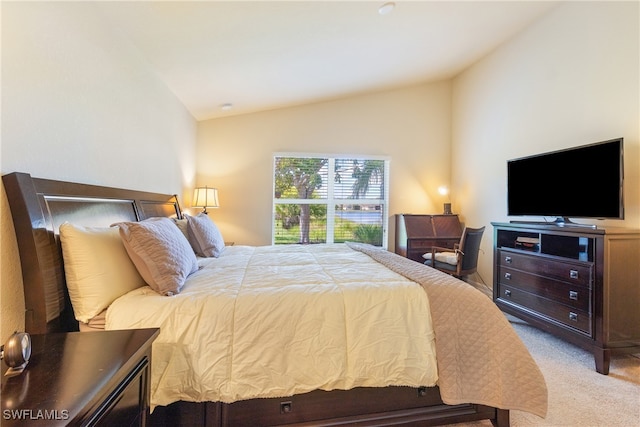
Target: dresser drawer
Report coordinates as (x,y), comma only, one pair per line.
(579,273)
(574,318)
(575,296)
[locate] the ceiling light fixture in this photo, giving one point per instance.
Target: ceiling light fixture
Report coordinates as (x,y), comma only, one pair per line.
(226,107)
(386,8)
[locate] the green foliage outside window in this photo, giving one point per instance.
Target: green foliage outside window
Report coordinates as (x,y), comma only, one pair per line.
(357,197)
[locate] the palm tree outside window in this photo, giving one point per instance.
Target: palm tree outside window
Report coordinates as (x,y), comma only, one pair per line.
(330,199)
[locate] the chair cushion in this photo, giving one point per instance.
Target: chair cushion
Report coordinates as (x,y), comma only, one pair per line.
(446,257)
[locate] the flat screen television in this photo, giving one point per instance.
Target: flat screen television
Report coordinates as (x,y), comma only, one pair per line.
(579,182)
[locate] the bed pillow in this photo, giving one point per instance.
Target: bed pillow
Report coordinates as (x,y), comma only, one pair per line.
(204,236)
(160,252)
(182,226)
(97,268)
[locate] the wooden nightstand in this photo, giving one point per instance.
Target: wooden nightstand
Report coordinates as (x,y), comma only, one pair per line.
(82,378)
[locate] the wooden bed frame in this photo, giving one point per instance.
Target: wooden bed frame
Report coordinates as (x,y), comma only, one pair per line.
(39,206)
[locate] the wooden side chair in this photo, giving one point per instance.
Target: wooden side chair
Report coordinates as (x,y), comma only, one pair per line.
(463,259)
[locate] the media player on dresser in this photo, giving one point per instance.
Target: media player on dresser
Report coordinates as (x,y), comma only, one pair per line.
(581,284)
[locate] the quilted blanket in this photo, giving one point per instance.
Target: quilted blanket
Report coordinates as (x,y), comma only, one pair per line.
(474,342)
(273,321)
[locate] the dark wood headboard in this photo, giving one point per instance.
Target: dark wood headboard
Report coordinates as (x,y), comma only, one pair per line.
(38,207)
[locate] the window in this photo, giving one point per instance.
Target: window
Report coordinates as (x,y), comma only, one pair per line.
(325,199)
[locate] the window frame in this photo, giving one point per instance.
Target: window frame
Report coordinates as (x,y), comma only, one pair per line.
(330,201)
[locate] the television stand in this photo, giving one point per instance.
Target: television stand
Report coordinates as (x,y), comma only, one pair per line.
(559,222)
(547,223)
(580,284)
(563,221)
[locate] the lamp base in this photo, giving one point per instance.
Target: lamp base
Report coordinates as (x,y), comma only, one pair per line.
(447,209)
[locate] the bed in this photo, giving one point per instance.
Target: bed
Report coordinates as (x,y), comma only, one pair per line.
(483,369)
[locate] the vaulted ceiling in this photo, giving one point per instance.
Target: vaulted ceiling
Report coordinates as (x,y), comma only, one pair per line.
(259,55)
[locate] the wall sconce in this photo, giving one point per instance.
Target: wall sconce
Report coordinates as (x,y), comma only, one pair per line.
(444,191)
(205,197)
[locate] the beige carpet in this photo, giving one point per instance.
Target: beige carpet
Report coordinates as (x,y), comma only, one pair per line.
(578,395)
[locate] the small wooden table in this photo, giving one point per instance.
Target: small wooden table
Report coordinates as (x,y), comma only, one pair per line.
(82,378)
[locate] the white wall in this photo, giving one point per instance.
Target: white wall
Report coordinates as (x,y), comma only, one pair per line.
(410,125)
(79,104)
(570,79)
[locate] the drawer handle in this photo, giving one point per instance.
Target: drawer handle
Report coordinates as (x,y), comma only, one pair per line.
(573,274)
(286,407)
(507,293)
(507,259)
(507,276)
(573,295)
(573,316)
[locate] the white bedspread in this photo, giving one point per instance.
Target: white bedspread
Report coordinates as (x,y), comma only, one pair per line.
(275,321)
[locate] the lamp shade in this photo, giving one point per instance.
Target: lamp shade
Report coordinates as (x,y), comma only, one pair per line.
(205,197)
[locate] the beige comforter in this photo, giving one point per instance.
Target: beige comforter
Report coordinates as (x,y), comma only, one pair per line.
(273,321)
(480,357)
(311,334)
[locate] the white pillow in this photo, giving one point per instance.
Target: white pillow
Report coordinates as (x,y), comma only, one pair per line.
(446,257)
(182,226)
(160,252)
(97,268)
(204,236)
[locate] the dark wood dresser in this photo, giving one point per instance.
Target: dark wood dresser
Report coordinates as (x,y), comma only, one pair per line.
(417,234)
(82,378)
(578,283)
